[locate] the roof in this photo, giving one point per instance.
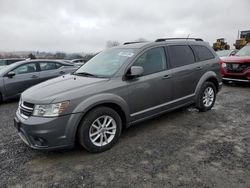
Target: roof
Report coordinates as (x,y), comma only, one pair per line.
(39,60)
(169,41)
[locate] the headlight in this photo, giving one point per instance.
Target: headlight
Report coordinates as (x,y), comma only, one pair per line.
(50,110)
(224,65)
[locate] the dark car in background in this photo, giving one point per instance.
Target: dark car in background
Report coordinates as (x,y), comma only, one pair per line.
(17,77)
(6,62)
(236,68)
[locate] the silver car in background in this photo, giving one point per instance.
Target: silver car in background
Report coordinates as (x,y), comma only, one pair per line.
(19,76)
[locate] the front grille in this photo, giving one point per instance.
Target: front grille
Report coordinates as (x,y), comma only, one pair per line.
(26,109)
(237,67)
(30,105)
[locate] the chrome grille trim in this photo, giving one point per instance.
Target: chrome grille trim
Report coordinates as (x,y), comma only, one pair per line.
(240,68)
(25,111)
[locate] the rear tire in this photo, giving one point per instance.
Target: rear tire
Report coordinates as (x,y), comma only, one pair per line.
(100,129)
(206,97)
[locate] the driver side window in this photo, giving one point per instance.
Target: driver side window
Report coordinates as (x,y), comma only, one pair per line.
(152,61)
(27,68)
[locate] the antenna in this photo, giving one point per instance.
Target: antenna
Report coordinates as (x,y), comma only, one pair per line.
(188,36)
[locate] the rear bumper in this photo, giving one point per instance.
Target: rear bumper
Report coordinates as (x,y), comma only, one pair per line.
(47,133)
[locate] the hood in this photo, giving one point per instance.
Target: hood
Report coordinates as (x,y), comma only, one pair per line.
(61,88)
(236,59)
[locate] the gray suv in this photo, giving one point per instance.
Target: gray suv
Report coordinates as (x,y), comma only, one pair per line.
(117,88)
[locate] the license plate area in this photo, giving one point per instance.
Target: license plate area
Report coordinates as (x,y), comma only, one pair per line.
(235,66)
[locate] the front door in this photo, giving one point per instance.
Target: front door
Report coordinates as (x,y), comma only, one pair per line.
(26,76)
(149,93)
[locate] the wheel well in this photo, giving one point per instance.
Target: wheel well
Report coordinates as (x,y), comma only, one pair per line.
(119,110)
(115,107)
(215,82)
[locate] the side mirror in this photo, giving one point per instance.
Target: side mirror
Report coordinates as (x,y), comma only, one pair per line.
(10,74)
(135,71)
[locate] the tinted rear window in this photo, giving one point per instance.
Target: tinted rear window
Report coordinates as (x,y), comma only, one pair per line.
(203,53)
(181,55)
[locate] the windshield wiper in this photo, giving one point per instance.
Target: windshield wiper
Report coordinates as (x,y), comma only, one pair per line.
(85,74)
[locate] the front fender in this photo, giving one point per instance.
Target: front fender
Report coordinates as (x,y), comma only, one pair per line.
(96,100)
(103,98)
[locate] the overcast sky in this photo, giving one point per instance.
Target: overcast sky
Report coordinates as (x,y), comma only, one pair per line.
(86,25)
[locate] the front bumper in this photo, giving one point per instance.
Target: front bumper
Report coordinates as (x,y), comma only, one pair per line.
(48,133)
(235,79)
(239,77)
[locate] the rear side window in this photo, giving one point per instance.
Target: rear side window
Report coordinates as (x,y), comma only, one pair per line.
(181,55)
(58,65)
(203,53)
(47,66)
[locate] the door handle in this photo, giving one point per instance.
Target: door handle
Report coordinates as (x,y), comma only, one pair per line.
(34,76)
(198,68)
(167,76)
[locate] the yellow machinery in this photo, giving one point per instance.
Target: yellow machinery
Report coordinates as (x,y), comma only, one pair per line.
(243,40)
(221,44)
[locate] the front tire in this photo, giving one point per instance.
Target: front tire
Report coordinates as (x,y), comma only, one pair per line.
(206,97)
(100,129)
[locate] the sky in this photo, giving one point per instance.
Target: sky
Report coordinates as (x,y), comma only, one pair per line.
(87,25)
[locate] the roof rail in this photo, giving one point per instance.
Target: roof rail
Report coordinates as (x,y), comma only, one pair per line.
(125,43)
(164,39)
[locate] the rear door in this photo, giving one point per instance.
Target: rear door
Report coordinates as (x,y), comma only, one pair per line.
(185,78)
(26,76)
(204,57)
(50,70)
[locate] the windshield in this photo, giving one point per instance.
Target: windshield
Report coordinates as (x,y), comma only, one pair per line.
(5,69)
(106,63)
(245,51)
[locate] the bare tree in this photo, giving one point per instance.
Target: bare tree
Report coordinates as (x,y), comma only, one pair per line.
(111,43)
(31,56)
(60,55)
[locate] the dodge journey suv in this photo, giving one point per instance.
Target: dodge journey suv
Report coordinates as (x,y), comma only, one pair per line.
(116,89)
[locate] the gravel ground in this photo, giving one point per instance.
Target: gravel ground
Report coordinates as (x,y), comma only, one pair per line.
(184,148)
